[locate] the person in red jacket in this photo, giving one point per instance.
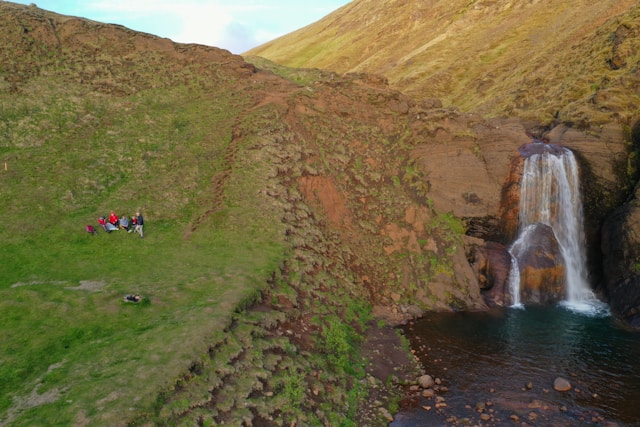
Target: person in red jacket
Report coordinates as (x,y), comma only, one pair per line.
(103,222)
(113,218)
(134,222)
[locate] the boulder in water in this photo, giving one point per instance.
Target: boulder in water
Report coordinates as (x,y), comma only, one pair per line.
(561,384)
(426,381)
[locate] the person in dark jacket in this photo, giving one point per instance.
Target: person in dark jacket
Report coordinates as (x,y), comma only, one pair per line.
(139,224)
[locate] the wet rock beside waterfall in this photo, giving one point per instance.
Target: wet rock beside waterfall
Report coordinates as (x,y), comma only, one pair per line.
(542,268)
(491,263)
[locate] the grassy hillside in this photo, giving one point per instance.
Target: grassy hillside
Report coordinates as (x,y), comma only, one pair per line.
(84,132)
(542,60)
(257,298)
(72,349)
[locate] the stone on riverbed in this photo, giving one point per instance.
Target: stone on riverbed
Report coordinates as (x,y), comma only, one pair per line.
(426,381)
(429,392)
(561,384)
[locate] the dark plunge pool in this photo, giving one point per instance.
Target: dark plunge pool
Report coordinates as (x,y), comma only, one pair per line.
(498,368)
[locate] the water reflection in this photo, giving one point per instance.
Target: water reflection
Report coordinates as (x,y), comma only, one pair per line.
(510,358)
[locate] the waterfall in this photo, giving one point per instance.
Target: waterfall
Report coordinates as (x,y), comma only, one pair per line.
(550,194)
(514,282)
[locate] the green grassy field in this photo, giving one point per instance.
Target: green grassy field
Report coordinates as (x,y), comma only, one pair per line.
(72,348)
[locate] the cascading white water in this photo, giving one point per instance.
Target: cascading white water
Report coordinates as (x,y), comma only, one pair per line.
(514,282)
(550,194)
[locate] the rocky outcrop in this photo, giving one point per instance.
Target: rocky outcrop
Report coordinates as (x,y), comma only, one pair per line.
(621,260)
(540,264)
(542,269)
(473,167)
(604,158)
(491,263)
(467,161)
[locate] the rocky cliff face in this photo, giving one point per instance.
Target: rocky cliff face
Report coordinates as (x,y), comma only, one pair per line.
(570,66)
(621,260)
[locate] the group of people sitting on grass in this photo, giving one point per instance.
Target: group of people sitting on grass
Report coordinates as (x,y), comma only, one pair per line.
(114,223)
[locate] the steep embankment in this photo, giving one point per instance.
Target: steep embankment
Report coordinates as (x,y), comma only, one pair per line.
(296,199)
(543,60)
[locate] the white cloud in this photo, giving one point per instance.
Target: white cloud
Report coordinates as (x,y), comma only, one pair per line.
(191,21)
(215,23)
(236,25)
(205,24)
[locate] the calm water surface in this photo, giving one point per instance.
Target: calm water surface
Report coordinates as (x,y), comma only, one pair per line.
(491,357)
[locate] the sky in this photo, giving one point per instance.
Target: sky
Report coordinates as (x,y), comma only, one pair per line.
(235,25)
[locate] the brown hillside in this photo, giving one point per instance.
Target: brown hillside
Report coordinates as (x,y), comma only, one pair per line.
(543,59)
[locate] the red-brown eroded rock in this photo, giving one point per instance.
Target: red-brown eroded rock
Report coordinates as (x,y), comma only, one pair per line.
(542,268)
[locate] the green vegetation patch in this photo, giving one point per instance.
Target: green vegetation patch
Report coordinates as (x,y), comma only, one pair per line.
(73,349)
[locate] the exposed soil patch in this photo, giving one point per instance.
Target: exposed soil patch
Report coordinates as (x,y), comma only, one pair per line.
(88,285)
(33,399)
(34,283)
(322,190)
